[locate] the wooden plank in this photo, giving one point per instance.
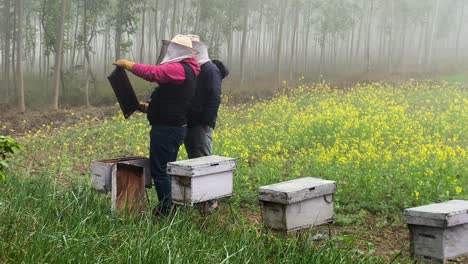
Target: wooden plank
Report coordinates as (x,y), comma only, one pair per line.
(128,188)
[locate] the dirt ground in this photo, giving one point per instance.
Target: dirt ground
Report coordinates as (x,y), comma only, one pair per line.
(17,124)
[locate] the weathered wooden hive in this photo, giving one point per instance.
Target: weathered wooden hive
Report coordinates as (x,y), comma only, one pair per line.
(128,188)
(102,171)
(438,232)
(201,179)
(297,204)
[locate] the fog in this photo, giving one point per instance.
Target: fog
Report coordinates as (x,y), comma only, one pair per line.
(261,41)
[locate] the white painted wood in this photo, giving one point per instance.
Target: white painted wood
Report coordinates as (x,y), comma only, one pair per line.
(446,214)
(101,176)
(102,172)
(274,216)
(189,191)
(201,166)
(438,232)
(427,242)
(439,244)
(297,204)
(296,190)
(201,179)
(311,212)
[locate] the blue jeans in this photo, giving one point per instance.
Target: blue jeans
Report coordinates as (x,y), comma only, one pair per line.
(164,147)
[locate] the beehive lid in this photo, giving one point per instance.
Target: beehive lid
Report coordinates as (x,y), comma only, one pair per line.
(296,190)
(445,214)
(201,166)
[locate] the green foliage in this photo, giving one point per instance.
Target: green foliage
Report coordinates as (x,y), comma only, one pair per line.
(7,146)
(388,147)
(457,78)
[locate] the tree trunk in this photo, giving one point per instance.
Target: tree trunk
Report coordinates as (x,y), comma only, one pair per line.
(86,50)
(243,46)
(351,48)
(283,7)
(422,37)
(259,42)
(401,61)
(157,41)
(59,54)
(7,63)
(142,47)
(459,31)
(433,32)
(293,42)
(369,35)
(390,38)
(306,48)
(73,52)
(322,37)
(174,19)
(106,47)
(118,33)
(19,53)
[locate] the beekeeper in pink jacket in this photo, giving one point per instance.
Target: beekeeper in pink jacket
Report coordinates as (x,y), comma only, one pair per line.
(170,102)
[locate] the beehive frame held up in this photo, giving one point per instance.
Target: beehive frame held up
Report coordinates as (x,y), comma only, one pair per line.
(123,91)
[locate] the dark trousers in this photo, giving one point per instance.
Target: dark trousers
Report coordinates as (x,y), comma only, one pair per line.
(164,146)
(199,141)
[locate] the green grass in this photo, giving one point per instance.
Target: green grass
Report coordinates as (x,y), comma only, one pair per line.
(388,147)
(460,78)
(43,223)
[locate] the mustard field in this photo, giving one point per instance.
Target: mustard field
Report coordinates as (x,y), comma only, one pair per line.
(389,147)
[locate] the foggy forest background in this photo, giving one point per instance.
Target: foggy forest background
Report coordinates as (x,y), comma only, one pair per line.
(58,53)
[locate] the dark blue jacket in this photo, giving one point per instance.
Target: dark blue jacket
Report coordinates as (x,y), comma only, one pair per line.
(207,99)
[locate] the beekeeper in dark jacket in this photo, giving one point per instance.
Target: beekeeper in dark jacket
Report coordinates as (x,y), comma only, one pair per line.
(205,104)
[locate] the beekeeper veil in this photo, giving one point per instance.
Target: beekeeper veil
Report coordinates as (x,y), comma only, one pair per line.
(202,56)
(177,49)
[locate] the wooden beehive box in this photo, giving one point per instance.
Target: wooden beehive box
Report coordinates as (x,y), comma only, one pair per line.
(201,179)
(102,170)
(438,232)
(297,204)
(128,188)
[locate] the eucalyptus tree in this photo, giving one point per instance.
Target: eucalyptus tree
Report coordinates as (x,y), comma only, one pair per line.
(461,6)
(91,27)
(59,54)
(332,19)
(19,53)
(7,15)
(123,20)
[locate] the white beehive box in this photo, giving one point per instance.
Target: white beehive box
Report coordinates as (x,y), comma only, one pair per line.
(438,232)
(102,171)
(297,204)
(201,179)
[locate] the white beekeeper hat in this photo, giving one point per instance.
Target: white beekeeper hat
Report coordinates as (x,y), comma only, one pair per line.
(178,48)
(202,56)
